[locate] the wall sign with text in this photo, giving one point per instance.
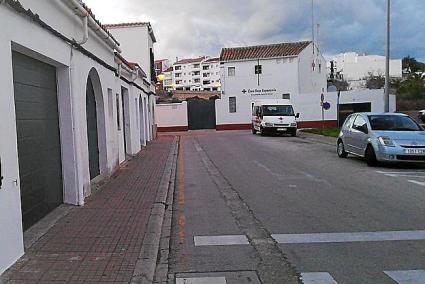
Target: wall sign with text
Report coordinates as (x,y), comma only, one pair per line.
(259,92)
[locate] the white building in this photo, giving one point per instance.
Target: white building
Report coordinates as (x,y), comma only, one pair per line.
(71,109)
(287,70)
(356,68)
(211,80)
(194,74)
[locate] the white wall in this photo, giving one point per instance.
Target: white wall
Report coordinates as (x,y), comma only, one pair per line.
(73,69)
(312,80)
(135,45)
(280,75)
(355,68)
(171,115)
(308,105)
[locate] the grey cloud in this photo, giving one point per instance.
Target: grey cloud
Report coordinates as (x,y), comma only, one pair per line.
(196,27)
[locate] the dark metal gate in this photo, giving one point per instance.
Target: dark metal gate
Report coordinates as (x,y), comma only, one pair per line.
(92,135)
(39,147)
(201,114)
(346,109)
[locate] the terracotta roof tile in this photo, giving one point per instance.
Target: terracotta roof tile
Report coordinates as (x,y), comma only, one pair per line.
(263,51)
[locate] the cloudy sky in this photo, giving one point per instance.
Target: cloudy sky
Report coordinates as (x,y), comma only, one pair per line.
(186,28)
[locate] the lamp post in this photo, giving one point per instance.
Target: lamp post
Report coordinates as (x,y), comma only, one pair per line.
(387,58)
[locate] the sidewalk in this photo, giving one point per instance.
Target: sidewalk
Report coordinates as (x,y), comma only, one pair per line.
(101,241)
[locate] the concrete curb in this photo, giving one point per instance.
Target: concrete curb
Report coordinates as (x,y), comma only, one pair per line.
(319,138)
(144,271)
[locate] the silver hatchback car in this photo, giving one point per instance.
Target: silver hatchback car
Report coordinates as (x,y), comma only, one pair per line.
(382,137)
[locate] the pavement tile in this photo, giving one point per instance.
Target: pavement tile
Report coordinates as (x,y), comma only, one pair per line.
(101,241)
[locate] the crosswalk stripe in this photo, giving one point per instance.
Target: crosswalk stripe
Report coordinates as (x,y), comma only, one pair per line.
(228,240)
(317,278)
(220,240)
(201,280)
(407,276)
(349,237)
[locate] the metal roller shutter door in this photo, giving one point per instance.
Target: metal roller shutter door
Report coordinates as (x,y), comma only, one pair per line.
(39,149)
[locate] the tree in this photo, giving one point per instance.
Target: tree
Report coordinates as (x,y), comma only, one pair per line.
(375,81)
(412,65)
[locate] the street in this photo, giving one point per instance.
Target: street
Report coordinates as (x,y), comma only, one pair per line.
(252,209)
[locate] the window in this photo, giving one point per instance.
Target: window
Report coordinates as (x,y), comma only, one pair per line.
(286,96)
(258,69)
(349,121)
(178,75)
(231,71)
(197,80)
(196,66)
(176,68)
(232,104)
(278,110)
(178,82)
(117,99)
(360,124)
(393,123)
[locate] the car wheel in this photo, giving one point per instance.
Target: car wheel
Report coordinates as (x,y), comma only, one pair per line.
(262,131)
(340,149)
(371,157)
(253,130)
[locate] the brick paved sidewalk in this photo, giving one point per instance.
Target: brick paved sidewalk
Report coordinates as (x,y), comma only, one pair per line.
(101,241)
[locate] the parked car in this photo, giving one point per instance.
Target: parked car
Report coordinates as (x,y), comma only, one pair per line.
(421,115)
(274,117)
(382,137)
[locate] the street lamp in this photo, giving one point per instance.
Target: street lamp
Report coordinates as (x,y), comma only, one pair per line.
(387,58)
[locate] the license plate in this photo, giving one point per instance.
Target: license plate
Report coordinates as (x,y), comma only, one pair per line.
(282,129)
(414,151)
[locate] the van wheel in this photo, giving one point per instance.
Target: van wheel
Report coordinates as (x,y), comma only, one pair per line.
(294,133)
(253,130)
(340,149)
(370,157)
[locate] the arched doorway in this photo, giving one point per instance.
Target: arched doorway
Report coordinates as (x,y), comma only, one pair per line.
(92,131)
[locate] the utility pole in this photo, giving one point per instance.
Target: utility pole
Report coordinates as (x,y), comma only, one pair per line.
(387,59)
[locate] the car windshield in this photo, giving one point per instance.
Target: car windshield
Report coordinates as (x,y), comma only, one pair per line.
(279,110)
(393,123)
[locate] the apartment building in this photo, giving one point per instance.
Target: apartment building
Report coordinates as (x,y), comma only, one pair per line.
(194,74)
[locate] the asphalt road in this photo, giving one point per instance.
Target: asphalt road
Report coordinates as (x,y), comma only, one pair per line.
(252,209)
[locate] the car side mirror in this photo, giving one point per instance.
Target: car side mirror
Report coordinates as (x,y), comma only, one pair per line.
(297,115)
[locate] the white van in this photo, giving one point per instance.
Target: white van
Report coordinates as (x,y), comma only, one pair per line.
(274,117)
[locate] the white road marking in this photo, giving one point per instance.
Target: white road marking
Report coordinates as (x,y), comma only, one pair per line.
(317,278)
(220,240)
(407,276)
(395,173)
(228,240)
(202,280)
(349,237)
(417,182)
(411,176)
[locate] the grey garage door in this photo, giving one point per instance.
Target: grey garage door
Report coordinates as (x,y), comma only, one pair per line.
(39,151)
